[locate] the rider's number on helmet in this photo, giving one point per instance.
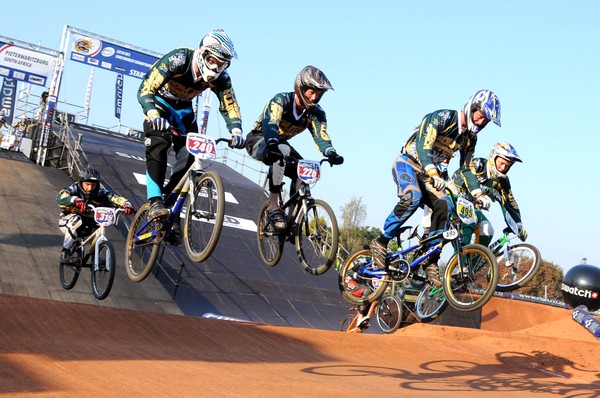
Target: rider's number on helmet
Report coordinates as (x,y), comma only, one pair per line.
(309,171)
(201,146)
(105,216)
(465,210)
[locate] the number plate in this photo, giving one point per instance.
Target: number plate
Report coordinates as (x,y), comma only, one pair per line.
(309,171)
(465,210)
(105,216)
(202,146)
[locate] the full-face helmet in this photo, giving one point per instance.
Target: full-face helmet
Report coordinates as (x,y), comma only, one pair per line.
(311,77)
(89,174)
(505,151)
(485,101)
(214,54)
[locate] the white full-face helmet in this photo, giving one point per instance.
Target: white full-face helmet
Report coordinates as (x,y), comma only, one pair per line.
(505,151)
(214,54)
(485,101)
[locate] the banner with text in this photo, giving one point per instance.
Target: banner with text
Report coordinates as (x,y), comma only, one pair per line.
(8,95)
(118,96)
(26,65)
(106,55)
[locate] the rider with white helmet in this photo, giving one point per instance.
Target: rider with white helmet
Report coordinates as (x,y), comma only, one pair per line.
(492,176)
(166,95)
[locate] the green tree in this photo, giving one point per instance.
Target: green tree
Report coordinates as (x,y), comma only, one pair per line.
(546,283)
(352,232)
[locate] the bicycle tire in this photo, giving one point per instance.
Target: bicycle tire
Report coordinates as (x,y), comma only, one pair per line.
(348,322)
(317,238)
(203,222)
(473,288)
(430,303)
(360,289)
(140,257)
(104,276)
(389,313)
(69,273)
(270,241)
(526,261)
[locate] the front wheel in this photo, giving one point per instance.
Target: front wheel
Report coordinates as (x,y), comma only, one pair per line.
(317,238)
(348,323)
(270,240)
(360,281)
(69,273)
(389,313)
(430,303)
(204,217)
(517,267)
(470,286)
(142,245)
(103,270)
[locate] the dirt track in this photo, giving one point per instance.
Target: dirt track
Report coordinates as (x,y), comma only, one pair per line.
(51,349)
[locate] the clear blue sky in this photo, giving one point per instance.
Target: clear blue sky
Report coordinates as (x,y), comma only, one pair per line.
(390,62)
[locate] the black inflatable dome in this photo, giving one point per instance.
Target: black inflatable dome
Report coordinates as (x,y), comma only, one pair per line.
(581,286)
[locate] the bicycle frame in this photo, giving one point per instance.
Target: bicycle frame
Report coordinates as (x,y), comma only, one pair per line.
(104,217)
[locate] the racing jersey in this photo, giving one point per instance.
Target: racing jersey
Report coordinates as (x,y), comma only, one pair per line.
(174,79)
(437,139)
(102,197)
(497,188)
(280,119)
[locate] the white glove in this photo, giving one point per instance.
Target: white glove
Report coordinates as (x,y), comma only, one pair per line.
(158,123)
(237,139)
(522,232)
(437,182)
(484,202)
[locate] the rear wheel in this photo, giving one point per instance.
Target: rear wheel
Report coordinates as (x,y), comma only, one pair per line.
(389,313)
(142,245)
(430,303)
(360,281)
(348,323)
(103,275)
(204,216)
(518,267)
(69,273)
(270,240)
(472,286)
(317,238)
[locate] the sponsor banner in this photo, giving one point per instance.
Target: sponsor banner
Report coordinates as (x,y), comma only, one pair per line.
(8,95)
(103,54)
(27,65)
(118,96)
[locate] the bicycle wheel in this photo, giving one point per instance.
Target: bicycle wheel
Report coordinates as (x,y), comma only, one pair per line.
(470,288)
(359,280)
(348,322)
(142,245)
(389,313)
(69,273)
(103,276)
(204,217)
(430,303)
(518,268)
(270,241)
(317,238)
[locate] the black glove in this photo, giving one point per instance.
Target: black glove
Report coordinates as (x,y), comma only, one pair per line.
(272,152)
(334,158)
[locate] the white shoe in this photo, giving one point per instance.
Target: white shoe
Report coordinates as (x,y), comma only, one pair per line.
(362,319)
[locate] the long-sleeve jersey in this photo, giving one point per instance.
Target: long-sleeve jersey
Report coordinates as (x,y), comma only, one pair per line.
(102,197)
(436,140)
(174,79)
(280,119)
(497,188)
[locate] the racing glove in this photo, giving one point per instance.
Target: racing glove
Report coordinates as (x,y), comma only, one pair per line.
(158,123)
(334,158)
(437,182)
(484,202)
(272,152)
(237,140)
(80,204)
(127,209)
(522,233)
